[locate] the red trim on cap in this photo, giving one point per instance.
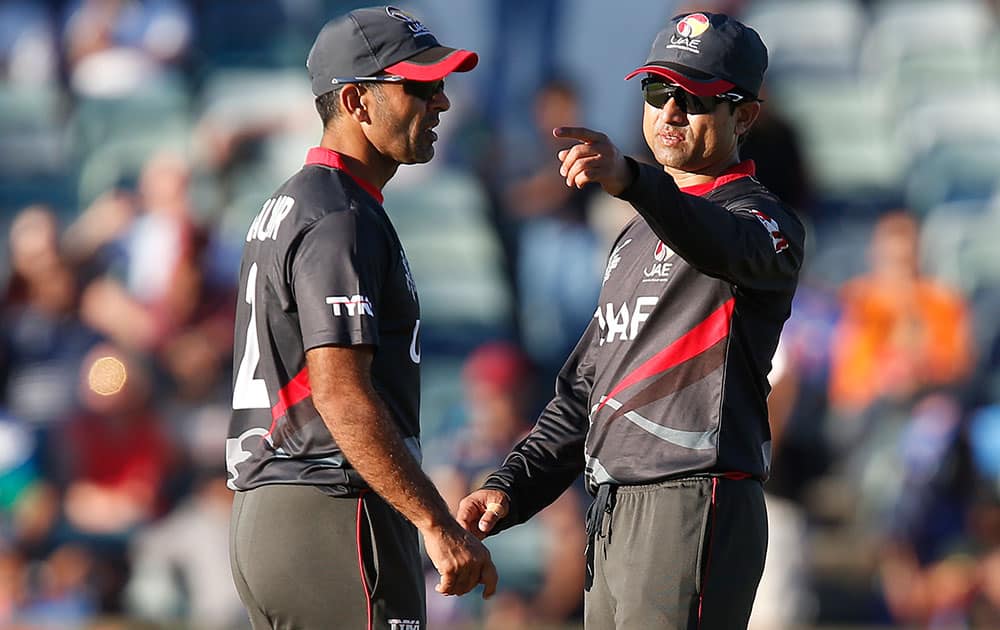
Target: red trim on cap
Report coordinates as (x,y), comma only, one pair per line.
(329,157)
(746,168)
(458,61)
(698,88)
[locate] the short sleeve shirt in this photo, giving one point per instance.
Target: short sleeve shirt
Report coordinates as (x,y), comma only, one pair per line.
(322,266)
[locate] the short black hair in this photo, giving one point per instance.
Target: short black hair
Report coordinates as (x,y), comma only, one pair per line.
(748,98)
(328,105)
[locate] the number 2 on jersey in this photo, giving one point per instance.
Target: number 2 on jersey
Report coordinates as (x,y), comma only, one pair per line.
(250,392)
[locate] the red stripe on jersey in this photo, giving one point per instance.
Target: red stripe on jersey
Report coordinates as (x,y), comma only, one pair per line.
(746,168)
(329,157)
(296,389)
(706,334)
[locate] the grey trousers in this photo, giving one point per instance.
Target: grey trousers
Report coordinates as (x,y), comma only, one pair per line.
(303,560)
(684,554)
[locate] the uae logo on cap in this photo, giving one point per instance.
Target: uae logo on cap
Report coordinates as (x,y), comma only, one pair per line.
(693,25)
(412,23)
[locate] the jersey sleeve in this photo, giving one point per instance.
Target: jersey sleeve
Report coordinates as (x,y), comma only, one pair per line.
(547,461)
(756,244)
(337,273)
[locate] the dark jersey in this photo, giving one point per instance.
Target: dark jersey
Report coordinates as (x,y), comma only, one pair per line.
(670,377)
(322,266)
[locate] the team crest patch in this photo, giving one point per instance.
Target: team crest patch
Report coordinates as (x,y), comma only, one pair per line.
(777,238)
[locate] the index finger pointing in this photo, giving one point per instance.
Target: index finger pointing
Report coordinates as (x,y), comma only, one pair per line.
(579,133)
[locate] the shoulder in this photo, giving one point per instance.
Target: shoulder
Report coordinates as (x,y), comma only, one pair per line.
(317,192)
(325,200)
(748,196)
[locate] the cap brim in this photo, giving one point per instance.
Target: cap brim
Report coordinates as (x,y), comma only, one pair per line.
(435,63)
(708,86)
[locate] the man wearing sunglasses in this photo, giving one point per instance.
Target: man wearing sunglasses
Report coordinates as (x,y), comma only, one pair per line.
(323,448)
(663,403)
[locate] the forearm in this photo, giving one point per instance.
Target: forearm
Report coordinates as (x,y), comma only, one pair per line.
(366,434)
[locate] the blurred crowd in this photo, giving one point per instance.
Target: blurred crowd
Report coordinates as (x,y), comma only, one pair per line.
(138,139)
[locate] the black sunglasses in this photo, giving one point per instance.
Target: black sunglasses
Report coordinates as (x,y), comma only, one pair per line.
(424,90)
(657,92)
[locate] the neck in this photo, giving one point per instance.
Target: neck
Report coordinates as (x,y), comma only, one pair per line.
(684,179)
(361,157)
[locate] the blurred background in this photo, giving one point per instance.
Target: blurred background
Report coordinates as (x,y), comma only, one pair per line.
(138,139)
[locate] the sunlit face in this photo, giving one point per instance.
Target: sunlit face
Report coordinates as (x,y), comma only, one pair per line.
(697,143)
(403,120)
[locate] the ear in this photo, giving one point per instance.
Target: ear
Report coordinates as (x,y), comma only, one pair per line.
(746,115)
(352,104)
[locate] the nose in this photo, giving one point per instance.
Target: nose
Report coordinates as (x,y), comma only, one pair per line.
(672,113)
(440,102)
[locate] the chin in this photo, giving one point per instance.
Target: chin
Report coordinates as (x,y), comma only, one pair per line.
(424,156)
(670,159)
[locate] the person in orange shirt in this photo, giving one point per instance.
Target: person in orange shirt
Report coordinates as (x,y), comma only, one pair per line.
(900,332)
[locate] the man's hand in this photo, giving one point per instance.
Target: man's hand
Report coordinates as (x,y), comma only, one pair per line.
(462,561)
(480,511)
(595,159)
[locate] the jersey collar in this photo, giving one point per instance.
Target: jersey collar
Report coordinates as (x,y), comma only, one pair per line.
(746,168)
(329,157)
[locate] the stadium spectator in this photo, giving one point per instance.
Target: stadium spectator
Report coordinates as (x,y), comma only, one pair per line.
(28,53)
(163,299)
(180,564)
(115,456)
(929,557)
(43,340)
(116,48)
(900,331)
(557,259)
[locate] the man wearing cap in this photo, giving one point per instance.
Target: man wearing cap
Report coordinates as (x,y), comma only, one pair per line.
(323,448)
(663,403)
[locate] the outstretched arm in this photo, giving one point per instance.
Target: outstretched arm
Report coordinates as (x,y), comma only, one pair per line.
(546,462)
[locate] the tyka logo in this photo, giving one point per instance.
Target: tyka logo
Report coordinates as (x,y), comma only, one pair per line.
(404,624)
(353,304)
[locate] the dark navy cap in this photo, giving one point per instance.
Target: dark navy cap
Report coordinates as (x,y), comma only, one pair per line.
(367,42)
(708,54)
